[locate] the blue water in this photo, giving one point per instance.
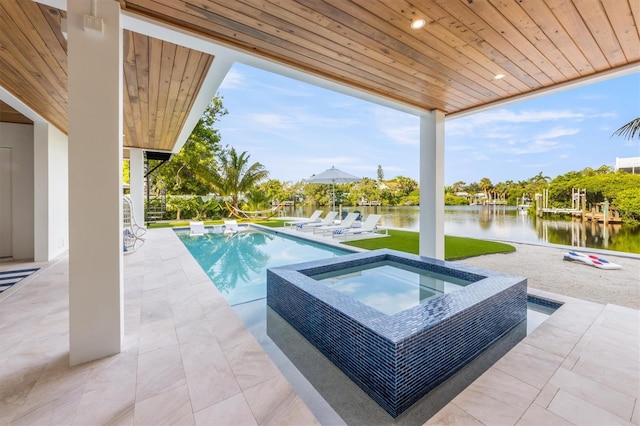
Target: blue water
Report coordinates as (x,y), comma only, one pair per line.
(390,287)
(237,264)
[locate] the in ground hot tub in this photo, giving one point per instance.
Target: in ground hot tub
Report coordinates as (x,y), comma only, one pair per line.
(398,325)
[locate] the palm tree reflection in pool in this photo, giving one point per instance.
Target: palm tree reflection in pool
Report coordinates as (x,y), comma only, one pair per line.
(232,259)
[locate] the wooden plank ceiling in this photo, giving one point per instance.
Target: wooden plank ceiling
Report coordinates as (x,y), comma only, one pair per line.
(10,115)
(33,58)
(450,64)
(161,79)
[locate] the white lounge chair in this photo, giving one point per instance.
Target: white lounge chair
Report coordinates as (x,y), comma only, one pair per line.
(347,222)
(370,225)
(328,220)
(230,227)
(314,218)
(197,228)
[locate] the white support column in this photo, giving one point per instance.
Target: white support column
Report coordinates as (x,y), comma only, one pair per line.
(41,191)
(95,181)
(136,184)
(432,185)
(51,192)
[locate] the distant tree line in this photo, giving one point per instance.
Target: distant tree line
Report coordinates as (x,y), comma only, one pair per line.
(204,175)
(621,189)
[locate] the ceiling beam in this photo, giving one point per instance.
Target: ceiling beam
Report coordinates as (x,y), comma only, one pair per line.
(591,79)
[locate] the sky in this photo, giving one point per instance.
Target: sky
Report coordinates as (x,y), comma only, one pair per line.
(297,130)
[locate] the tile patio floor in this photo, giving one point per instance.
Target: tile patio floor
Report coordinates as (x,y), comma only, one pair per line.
(188,359)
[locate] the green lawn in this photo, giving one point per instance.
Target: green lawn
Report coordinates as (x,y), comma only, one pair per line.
(407,241)
(454,247)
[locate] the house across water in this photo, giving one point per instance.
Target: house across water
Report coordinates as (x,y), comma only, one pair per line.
(629,164)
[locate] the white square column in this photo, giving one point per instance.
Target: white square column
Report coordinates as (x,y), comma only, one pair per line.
(136,184)
(432,185)
(95,180)
(51,192)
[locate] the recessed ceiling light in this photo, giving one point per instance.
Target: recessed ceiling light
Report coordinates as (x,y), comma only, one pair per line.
(498,77)
(418,23)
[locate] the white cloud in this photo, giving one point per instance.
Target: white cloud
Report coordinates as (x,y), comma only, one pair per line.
(456,148)
(479,156)
(499,133)
(557,132)
(408,135)
(530,116)
(535,147)
(400,128)
(304,118)
(269,121)
(295,119)
(504,123)
(294,90)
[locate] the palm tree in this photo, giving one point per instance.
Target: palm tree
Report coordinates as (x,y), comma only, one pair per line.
(540,178)
(486,186)
(234,175)
(629,130)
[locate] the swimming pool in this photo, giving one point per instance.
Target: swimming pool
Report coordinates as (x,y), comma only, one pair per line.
(237,264)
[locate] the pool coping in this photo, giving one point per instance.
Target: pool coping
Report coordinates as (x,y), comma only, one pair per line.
(424,316)
(578,333)
(397,359)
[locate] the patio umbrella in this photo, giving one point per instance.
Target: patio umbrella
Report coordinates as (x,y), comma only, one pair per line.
(333,176)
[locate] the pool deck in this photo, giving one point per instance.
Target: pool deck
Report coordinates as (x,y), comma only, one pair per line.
(187,358)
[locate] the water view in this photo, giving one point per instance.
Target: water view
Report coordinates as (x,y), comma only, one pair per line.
(506,223)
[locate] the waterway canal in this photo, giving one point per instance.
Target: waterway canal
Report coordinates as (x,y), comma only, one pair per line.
(506,223)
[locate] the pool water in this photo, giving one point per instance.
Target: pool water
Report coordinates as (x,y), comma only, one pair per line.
(237,264)
(390,287)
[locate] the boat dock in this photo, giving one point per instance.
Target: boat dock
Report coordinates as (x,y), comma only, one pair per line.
(600,212)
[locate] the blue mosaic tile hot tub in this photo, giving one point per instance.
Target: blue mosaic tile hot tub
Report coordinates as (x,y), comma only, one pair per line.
(397,359)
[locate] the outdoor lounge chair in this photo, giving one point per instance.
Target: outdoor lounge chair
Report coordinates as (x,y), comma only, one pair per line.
(347,222)
(328,220)
(230,227)
(370,225)
(197,228)
(314,218)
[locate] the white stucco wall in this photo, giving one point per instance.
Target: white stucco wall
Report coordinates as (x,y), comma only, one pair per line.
(19,137)
(51,192)
(59,190)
